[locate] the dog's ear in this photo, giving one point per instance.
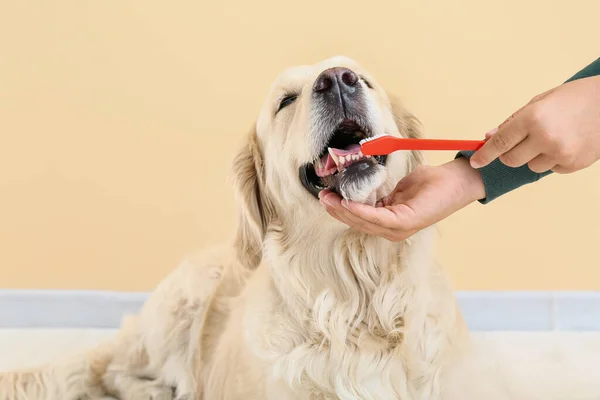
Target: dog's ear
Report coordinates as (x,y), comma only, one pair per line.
(409,126)
(255,209)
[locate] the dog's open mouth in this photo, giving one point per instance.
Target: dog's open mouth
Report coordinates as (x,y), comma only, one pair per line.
(340,158)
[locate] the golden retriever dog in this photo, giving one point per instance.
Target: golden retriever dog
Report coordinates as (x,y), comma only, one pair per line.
(298,306)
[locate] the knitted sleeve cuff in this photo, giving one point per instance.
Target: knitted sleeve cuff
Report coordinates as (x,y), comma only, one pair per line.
(499,179)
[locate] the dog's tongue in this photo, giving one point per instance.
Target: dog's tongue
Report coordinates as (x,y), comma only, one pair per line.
(352,149)
(328,161)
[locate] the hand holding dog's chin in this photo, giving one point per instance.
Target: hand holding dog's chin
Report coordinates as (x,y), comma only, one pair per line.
(421,199)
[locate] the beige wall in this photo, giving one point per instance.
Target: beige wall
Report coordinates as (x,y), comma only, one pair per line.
(118,121)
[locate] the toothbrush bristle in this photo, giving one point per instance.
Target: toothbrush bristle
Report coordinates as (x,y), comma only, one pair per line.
(365,140)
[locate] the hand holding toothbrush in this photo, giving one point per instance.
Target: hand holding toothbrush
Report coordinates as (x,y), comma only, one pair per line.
(558,130)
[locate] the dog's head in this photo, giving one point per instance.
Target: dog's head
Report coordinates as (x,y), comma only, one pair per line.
(307,139)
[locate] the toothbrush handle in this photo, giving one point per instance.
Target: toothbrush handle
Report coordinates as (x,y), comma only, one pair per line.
(388,144)
(443,144)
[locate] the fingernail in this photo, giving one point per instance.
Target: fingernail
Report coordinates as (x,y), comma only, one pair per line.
(474,164)
(345,204)
(320,194)
(491,132)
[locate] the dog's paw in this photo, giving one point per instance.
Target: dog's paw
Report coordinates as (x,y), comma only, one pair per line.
(149,390)
(186,389)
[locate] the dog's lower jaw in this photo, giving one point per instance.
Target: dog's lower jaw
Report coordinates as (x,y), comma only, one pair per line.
(363,189)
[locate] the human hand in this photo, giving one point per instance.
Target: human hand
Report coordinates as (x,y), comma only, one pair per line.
(558,130)
(422,198)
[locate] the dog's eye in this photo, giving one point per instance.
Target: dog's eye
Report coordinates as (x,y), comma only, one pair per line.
(366,82)
(286,101)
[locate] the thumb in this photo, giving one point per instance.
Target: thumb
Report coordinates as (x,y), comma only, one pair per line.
(387,200)
(402,185)
(396,197)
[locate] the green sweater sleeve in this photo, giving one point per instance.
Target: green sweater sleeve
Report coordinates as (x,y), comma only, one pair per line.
(498,179)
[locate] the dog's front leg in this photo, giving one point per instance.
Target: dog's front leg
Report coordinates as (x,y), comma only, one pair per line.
(128,375)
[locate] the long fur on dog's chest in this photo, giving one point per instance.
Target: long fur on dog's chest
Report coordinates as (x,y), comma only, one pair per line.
(352,318)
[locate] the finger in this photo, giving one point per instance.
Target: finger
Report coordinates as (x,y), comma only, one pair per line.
(395,195)
(332,202)
(562,170)
(331,211)
(537,98)
(329,200)
(387,200)
(493,131)
(362,225)
(375,227)
(490,133)
(521,154)
(541,164)
(340,216)
(353,222)
(339,212)
(381,221)
(507,137)
(333,206)
(405,220)
(390,217)
(324,193)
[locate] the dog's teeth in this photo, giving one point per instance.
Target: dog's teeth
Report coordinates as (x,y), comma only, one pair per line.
(354,157)
(368,156)
(336,159)
(349,157)
(360,154)
(342,160)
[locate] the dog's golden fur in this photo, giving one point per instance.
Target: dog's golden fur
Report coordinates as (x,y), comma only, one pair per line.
(297,306)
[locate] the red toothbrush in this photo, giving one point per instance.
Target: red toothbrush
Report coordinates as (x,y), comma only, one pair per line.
(386,144)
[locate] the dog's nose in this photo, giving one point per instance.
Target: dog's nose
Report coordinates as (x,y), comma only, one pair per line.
(340,77)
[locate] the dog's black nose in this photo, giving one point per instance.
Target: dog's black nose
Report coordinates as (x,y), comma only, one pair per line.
(337,77)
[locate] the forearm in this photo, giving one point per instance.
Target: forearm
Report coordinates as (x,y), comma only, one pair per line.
(500,179)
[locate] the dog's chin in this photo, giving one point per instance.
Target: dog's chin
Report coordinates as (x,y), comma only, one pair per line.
(361,182)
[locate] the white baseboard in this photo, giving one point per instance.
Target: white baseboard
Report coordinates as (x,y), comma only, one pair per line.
(484,311)
(66,308)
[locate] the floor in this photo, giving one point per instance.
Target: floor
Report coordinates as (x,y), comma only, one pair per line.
(23,348)
(539,355)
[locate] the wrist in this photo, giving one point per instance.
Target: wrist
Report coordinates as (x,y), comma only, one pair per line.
(470,179)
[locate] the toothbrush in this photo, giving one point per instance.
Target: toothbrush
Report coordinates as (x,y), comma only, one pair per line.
(385,144)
